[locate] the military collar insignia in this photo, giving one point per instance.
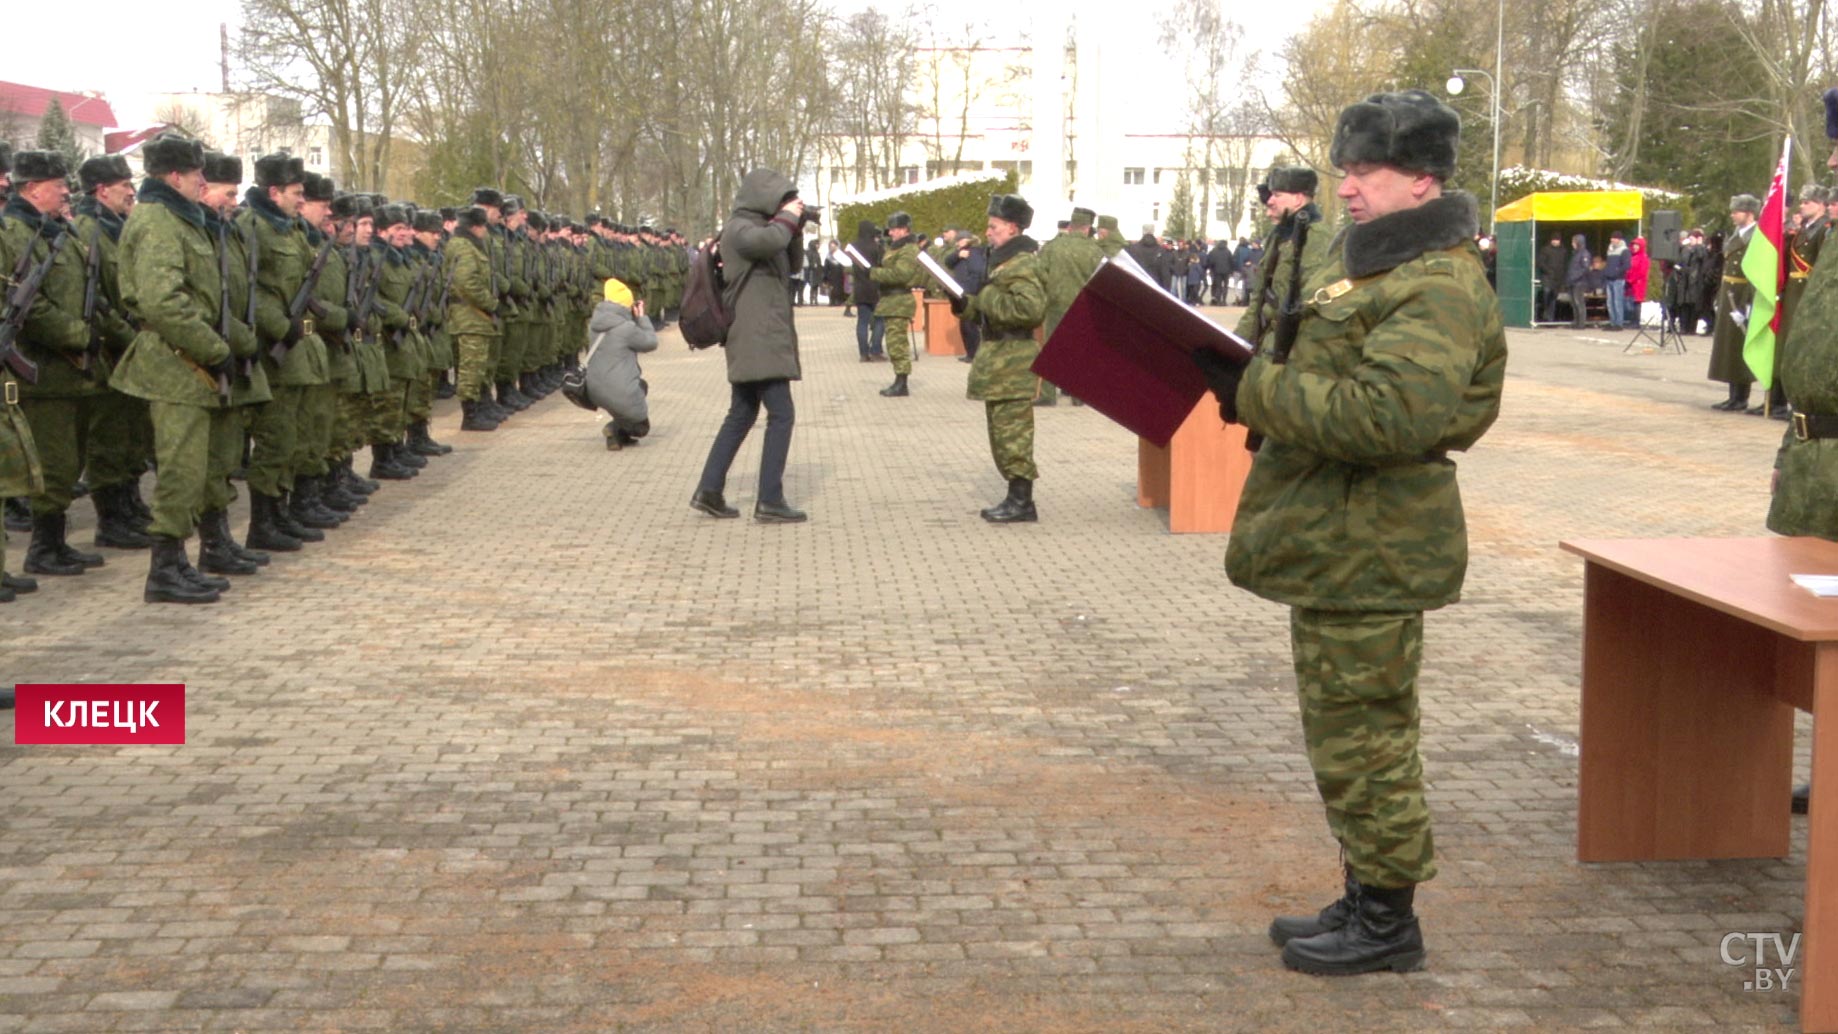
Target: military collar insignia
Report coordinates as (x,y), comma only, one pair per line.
(1391,240)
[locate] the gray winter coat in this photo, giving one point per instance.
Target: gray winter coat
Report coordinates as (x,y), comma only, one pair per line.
(612,362)
(762,343)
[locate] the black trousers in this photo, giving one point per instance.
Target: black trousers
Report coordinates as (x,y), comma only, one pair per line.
(744,402)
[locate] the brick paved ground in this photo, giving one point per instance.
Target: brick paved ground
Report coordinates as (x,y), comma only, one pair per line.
(531,747)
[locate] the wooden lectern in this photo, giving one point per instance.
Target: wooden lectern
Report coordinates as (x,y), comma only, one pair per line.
(1201,473)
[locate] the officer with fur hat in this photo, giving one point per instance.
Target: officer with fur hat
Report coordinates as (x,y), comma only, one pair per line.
(1011,305)
(1066,262)
(896,275)
(1803,248)
(120,430)
(472,304)
(1735,295)
(316,500)
(71,375)
(403,346)
(520,324)
(1288,196)
(1398,361)
(427,230)
(20,475)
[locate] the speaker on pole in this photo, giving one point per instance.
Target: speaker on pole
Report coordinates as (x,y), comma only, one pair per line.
(1663,236)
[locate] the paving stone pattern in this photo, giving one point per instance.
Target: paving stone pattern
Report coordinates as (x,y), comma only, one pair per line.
(529,746)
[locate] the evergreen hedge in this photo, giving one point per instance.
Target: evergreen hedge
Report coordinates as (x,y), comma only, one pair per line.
(962,204)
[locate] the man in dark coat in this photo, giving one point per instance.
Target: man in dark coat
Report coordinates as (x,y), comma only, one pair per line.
(1551,265)
(762,251)
(1219,267)
(1149,255)
(869,328)
(1734,297)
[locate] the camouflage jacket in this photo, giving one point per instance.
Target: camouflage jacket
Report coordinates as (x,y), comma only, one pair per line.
(100,229)
(403,345)
(1806,497)
(1011,305)
(170,281)
(283,259)
(1275,272)
(246,388)
(1066,262)
(1112,245)
(1802,256)
(55,336)
(1352,503)
(898,273)
(471,301)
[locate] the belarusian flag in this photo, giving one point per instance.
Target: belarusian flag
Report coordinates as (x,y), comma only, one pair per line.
(1764,266)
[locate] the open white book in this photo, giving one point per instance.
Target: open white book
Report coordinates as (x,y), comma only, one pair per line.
(942,275)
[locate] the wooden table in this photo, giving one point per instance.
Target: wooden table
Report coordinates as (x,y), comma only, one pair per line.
(943,333)
(1695,654)
(1201,473)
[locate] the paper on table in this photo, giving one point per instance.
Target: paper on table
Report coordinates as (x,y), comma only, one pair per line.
(1817,584)
(857,256)
(942,275)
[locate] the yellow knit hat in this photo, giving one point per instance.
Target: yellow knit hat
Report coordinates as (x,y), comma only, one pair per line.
(618,293)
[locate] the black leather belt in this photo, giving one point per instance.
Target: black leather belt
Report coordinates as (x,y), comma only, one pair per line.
(1807,426)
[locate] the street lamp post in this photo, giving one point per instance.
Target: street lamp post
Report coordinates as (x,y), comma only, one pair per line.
(1455,85)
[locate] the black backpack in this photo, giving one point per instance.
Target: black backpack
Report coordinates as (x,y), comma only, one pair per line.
(707,311)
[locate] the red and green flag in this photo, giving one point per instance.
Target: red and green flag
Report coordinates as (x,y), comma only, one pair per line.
(1764,265)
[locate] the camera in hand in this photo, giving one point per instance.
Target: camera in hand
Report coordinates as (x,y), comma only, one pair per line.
(813,214)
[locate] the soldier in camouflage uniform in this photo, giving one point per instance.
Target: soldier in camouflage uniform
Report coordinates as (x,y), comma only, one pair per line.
(1011,305)
(180,361)
(316,501)
(72,366)
(472,304)
(897,274)
(1351,514)
(1066,262)
(218,551)
(120,431)
(432,312)
(1735,297)
(403,347)
(19,471)
(1109,237)
(1288,195)
(1802,254)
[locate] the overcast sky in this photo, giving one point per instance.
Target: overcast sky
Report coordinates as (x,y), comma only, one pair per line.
(128,55)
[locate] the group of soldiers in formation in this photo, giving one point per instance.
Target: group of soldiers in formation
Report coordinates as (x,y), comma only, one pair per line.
(270,335)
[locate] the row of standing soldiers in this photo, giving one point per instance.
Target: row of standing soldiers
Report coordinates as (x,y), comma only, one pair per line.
(170,323)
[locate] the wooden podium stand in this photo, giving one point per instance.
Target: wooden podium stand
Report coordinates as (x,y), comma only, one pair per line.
(1201,473)
(943,334)
(918,322)
(1695,654)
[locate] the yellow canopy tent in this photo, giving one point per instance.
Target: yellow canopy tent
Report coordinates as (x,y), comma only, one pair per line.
(1521,224)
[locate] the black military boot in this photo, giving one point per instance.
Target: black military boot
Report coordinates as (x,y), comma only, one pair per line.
(354,482)
(44,556)
(216,552)
(489,408)
(115,523)
(303,503)
(265,532)
(407,457)
(473,418)
(423,443)
(1017,508)
(221,518)
(898,388)
(166,581)
(445,389)
(143,514)
(18,583)
(517,400)
(199,578)
(1381,933)
(1284,929)
(334,494)
(7,595)
(383,463)
(18,515)
(70,553)
(285,520)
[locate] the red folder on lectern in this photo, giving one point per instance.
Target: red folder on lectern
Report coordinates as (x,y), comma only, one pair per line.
(1124,349)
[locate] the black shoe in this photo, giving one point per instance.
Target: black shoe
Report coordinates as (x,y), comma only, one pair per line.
(214,529)
(142,512)
(867,359)
(1018,508)
(284,520)
(778,513)
(303,504)
(474,418)
(116,523)
(712,504)
(966,359)
(1756,410)
(7,596)
(1802,798)
(18,583)
(1381,933)
(18,515)
(1284,929)
(423,443)
(199,578)
(383,463)
(265,531)
(407,457)
(445,390)
(338,498)
(46,553)
(354,483)
(6,699)
(510,398)
(166,581)
(897,389)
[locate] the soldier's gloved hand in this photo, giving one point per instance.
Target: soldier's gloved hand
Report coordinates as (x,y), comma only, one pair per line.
(959,302)
(1222,376)
(296,330)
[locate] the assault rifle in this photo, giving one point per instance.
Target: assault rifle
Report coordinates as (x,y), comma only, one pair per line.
(412,303)
(367,296)
(223,298)
(1289,318)
(27,280)
(92,300)
(297,307)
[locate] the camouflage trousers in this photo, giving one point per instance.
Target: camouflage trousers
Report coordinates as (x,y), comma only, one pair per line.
(474,353)
(19,473)
(421,397)
(1356,675)
(313,444)
(1011,437)
(60,430)
(517,341)
(228,426)
(120,439)
(182,444)
(389,413)
(899,343)
(275,427)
